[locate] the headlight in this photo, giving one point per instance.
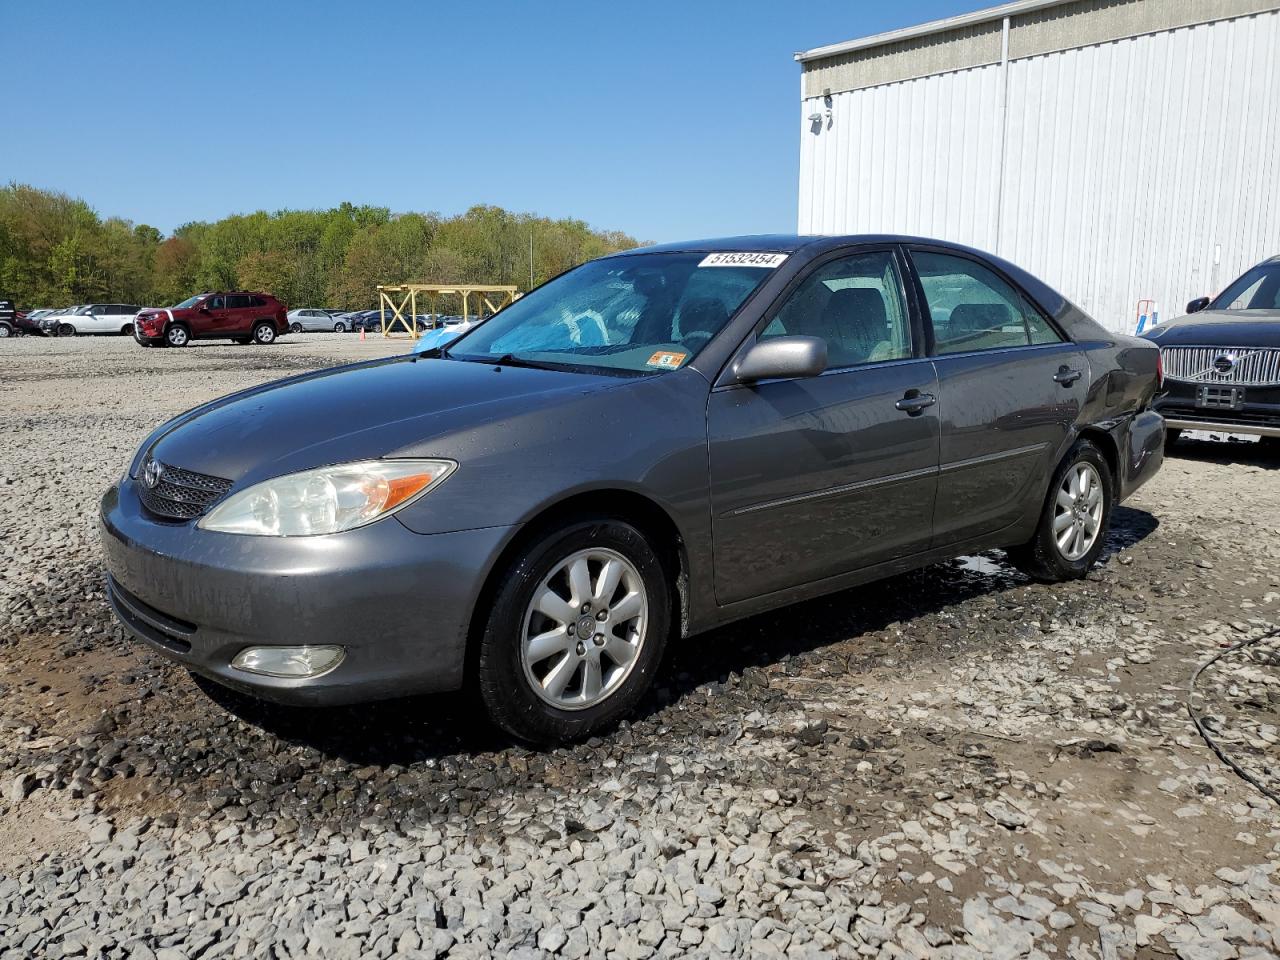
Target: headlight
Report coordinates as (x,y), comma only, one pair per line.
(328,500)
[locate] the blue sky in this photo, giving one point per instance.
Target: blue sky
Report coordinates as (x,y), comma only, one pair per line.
(665,119)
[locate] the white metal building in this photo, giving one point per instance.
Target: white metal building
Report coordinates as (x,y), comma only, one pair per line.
(1121,150)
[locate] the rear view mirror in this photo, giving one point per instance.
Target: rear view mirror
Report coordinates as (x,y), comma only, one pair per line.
(1198,304)
(782,358)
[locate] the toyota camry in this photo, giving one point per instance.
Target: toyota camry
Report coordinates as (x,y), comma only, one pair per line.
(652,444)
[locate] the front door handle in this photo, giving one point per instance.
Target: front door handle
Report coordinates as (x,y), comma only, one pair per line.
(914,402)
(1066,376)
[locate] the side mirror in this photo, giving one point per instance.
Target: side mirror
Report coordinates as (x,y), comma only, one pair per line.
(782,358)
(1198,304)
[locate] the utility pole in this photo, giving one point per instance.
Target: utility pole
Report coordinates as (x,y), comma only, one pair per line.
(531,258)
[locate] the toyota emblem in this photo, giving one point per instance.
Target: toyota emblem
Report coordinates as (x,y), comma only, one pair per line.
(1224,363)
(152,473)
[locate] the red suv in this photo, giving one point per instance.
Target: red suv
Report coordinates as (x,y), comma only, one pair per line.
(234,316)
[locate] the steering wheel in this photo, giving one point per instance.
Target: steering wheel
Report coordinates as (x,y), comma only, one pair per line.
(695,339)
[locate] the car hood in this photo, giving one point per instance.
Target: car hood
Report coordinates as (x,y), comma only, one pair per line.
(1220,328)
(358,412)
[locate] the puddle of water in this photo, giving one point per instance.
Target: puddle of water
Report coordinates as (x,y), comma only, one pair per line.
(983,565)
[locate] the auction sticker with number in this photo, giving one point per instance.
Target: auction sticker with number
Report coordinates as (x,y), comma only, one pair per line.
(743,259)
(666,360)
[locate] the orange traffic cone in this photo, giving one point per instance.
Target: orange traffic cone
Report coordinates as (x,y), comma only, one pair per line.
(361,332)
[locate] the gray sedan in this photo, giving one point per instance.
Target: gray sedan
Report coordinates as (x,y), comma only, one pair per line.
(651,445)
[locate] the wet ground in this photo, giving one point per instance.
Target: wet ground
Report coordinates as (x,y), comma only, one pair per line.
(955,763)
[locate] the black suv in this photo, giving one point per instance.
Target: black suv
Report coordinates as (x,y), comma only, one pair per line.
(8,318)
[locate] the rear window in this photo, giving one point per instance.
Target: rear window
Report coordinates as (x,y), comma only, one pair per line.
(972,308)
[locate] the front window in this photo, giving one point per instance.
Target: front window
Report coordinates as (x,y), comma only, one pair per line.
(1258,289)
(637,313)
(188,303)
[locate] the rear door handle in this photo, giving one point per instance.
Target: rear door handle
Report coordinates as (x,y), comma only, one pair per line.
(1067,376)
(914,402)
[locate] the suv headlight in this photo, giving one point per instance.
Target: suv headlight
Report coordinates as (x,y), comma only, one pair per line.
(327,500)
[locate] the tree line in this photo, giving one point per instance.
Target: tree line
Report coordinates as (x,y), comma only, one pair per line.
(56,250)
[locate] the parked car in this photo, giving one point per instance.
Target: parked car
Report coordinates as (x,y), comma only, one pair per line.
(649,446)
(315,320)
(57,324)
(96,318)
(449,330)
(1222,360)
(235,315)
(30,323)
(8,318)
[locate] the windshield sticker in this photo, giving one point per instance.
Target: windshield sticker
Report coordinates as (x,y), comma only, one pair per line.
(744,259)
(667,360)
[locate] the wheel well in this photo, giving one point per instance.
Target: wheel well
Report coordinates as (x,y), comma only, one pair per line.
(625,505)
(1107,444)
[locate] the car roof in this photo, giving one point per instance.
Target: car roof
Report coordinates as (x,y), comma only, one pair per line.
(789,243)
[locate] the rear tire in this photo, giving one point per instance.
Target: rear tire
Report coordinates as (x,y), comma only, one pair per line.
(177,335)
(127,330)
(5,330)
(1071,514)
(264,333)
(601,675)
(1171,435)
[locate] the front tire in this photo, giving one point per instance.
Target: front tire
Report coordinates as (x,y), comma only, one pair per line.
(264,333)
(1171,435)
(177,335)
(339,327)
(1072,529)
(295,328)
(5,330)
(66,330)
(575,632)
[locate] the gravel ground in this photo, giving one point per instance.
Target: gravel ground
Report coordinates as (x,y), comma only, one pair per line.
(957,763)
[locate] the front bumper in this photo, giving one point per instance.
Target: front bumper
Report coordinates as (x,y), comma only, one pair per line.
(400,603)
(1250,410)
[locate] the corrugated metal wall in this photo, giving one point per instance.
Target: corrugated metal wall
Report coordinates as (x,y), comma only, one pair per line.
(1140,168)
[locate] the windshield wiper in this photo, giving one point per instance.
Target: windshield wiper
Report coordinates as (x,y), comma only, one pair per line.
(506,360)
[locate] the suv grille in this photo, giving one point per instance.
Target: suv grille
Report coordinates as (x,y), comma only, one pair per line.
(179,494)
(1257,366)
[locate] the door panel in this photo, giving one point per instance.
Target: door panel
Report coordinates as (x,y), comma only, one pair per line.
(1010,389)
(1004,419)
(812,478)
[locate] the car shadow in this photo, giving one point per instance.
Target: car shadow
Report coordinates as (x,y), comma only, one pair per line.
(1226,452)
(424,729)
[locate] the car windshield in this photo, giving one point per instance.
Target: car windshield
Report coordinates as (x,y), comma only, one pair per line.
(637,313)
(1258,289)
(187,303)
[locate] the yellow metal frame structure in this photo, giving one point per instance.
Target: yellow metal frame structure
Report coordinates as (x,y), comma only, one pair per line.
(407,293)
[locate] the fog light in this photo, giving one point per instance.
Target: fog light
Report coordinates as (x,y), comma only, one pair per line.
(288,661)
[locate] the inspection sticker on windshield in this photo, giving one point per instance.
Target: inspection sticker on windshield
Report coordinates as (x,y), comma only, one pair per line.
(743,258)
(665,360)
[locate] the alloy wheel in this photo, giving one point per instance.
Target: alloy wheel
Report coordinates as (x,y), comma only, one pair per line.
(177,337)
(1077,515)
(584,628)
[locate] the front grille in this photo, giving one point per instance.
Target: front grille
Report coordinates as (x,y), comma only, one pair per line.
(179,494)
(1249,366)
